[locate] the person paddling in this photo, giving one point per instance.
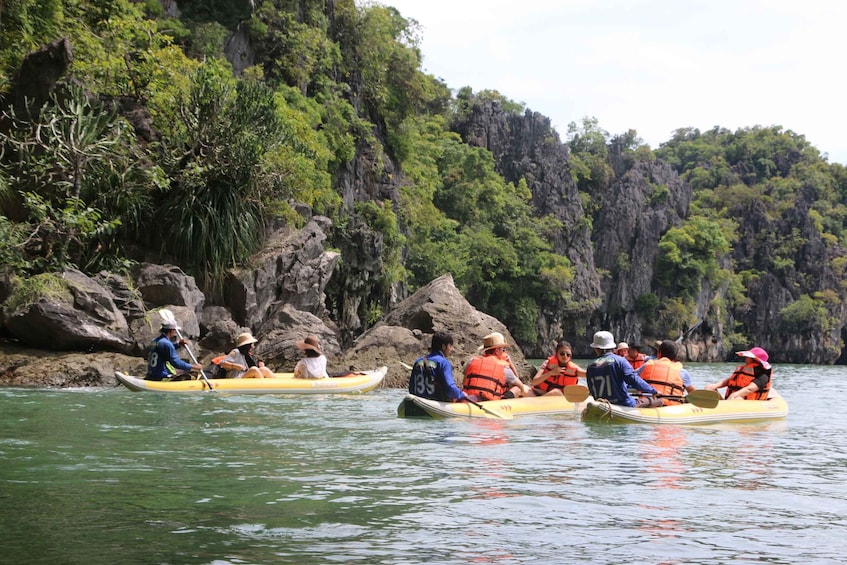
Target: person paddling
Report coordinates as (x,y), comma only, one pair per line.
(610,376)
(163,363)
(432,374)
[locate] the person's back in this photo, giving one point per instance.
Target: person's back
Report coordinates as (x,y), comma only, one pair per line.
(162,360)
(485,377)
(665,373)
(610,376)
(432,374)
(158,357)
(313,364)
(665,376)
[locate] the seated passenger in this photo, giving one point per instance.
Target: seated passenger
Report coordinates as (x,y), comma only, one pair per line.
(557,372)
(750,381)
(313,365)
(241,363)
(666,374)
(492,376)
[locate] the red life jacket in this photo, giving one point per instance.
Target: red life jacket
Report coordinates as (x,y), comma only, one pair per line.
(743,376)
(485,377)
(639,360)
(567,377)
(665,376)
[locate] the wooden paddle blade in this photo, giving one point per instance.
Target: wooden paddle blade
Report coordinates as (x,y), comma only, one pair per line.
(576,393)
(704,398)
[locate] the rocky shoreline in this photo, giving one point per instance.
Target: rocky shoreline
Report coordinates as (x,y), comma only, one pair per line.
(403,335)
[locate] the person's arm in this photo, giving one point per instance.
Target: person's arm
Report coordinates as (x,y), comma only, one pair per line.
(177,362)
(715,386)
(742,392)
(543,373)
(687,383)
(234,362)
(513,380)
(634,380)
(758,383)
(449,382)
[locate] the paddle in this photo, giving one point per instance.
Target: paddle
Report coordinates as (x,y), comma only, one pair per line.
(494,412)
(169,318)
(576,393)
(701,398)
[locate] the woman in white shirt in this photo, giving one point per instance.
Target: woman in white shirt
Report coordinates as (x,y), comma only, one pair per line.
(313,365)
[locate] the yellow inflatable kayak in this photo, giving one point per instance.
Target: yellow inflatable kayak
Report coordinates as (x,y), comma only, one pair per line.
(284,383)
(774,408)
(415,406)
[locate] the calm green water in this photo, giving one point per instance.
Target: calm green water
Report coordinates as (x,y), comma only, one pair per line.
(110,476)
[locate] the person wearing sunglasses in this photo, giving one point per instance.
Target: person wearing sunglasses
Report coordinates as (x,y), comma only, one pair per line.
(557,372)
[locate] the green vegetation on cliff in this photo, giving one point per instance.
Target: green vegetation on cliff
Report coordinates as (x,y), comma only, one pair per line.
(154,140)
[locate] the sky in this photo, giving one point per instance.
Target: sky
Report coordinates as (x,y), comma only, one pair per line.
(650,65)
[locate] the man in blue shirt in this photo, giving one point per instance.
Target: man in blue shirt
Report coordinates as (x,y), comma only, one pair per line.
(162,361)
(610,376)
(432,374)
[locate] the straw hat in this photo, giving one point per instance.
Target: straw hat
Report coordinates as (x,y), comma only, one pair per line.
(244,339)
(493,340)
(311,342)
(758,354)
(603,340)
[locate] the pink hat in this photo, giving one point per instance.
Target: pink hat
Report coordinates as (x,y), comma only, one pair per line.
(758,354)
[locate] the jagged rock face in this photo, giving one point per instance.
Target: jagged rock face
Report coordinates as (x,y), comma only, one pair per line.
(636,211)
(765,234)
(527,147)
(357,279)
(238,50)
(294,268)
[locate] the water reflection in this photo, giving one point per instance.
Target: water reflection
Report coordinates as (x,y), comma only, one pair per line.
(664,469)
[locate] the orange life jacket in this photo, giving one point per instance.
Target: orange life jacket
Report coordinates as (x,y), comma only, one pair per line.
(743,376)
(567,377)
(639,360)
(665,377)
(485,376)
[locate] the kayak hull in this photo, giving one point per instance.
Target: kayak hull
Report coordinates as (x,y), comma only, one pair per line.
(774,408)
(416,407)
(283,383)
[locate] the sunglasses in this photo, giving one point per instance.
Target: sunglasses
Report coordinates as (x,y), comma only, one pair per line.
(563,354)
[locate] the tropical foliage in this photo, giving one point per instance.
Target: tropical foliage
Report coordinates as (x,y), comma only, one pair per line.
(220,153)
